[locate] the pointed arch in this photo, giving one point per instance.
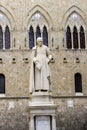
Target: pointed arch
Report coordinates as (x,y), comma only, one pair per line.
(9,16)
(35,21)
(45,36)
(75,38)
(38,32)
(43,12)
(72,10)
(68,38)
(78,82)
(31,37)
(82,38)
(1,38)
(7,37)
(2,83)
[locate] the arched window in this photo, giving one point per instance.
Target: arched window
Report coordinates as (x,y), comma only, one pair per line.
(31,37)
(40,25)
(82,38)
(1,38)
(2,83)
(38,33)
(68,38)
(45,36)
(75,24)
(75,38)
(78,82)
(7,38)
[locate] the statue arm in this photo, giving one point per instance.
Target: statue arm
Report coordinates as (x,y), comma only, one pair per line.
(49,55)
(35,60)
(34,55)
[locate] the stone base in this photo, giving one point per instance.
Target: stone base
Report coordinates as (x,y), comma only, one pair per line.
(41,99)
(41,105)
(42,111)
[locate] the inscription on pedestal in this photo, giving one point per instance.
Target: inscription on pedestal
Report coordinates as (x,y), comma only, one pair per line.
(43,123)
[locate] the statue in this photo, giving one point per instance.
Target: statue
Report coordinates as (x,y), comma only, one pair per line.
(40,71)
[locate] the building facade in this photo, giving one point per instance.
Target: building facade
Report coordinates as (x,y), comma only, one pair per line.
(63,27)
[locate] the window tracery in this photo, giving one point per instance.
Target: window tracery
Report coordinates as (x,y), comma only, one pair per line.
(82,38)
(68,38)
(4,36)
(38,32)
(75,33)
(7,38)
(39,25)
(75,38)
(31,37)
(45,36)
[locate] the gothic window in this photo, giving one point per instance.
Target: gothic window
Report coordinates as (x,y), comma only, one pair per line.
(75,38)
(2,83)
(1,38)
(68,38)
(7,38)
(40,26)
(82,38)
(78,82)
(31,37)
(45,36)
(38,33)
(75,24)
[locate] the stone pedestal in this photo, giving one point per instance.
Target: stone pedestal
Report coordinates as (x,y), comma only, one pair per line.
(42,111)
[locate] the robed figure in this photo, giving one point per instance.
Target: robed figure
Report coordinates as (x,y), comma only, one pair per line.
(40,70)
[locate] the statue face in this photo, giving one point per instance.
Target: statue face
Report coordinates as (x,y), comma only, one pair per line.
(39,42)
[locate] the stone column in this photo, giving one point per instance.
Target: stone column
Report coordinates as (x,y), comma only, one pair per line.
(72,39)
(11,40)
(41,31)
(31,123)
(79,47)
(3,39)
(35,38)
(53,122)
(65,41)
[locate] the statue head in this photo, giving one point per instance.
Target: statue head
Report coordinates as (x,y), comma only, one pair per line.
(39,41)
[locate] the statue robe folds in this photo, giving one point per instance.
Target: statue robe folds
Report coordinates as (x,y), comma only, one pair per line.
(40,71)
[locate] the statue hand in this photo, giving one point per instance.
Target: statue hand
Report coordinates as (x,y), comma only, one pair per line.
(38,65)
(34,60)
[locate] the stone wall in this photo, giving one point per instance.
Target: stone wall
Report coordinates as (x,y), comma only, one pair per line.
(16,62)
(14,114)
(71,113)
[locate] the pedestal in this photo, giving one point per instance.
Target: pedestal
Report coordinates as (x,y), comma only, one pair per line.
(42,111)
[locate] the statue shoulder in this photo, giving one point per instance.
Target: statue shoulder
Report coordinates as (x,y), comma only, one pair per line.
(34,48)
(45,46)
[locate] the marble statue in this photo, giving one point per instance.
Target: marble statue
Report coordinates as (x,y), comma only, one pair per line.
(40,70)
